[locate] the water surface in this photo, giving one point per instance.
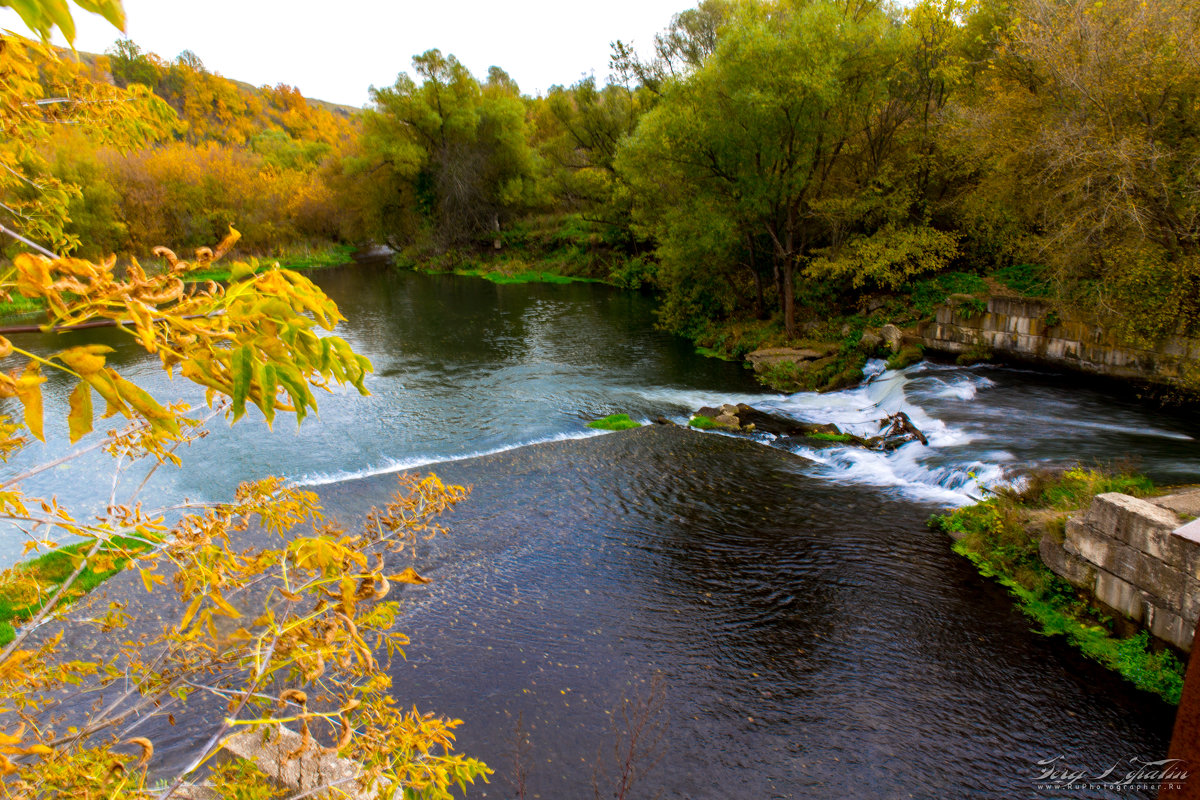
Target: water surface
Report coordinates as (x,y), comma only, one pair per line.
(814,637)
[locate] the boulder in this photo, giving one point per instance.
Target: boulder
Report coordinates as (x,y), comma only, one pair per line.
(769,356)
(870,341)
(728,421)
(892,337)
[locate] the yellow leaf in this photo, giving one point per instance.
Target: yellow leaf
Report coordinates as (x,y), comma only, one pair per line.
(149,579)
(409,576)
(80,417)
(29,391)
(223,604)
(86,360)
(192,608)
(103,384)
(145,405)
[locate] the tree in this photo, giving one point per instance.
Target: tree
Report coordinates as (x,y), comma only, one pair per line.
(283,633)
(452,155)
(1088,122)
(129,64)
(786,150)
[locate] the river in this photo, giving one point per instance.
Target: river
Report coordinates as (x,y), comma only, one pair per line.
(811,636)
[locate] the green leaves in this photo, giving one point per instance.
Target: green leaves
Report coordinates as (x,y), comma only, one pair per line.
(43,16)
(242,368)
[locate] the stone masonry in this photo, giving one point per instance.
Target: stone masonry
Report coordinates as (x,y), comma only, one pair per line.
(1140,558)
(1020,328)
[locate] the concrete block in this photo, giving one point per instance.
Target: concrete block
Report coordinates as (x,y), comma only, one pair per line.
(1191,599)
(1129,519)
(1187,538)
(1073,569)
(1100,550)
(1120,595)
(1166,585)
(308,769)
(1170,627)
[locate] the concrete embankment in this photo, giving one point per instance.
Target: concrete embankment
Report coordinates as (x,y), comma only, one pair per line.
(1140,558)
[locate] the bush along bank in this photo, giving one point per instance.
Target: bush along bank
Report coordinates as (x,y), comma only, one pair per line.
(1001,534)
(550,248)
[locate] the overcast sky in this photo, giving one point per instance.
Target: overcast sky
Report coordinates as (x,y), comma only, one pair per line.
(335,49)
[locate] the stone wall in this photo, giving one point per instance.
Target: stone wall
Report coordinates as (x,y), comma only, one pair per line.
(1018,327)
(1137,557)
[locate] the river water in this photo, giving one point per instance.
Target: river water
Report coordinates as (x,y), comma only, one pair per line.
(811,637)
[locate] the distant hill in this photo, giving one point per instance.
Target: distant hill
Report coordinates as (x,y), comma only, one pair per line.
(334,108)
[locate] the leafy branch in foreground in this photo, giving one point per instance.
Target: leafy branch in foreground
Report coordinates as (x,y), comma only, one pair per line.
(274,618)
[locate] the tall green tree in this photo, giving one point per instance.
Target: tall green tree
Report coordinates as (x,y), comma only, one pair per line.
(453,154)
(777,149)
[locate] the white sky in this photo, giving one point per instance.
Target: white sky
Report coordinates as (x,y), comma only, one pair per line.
(334,50)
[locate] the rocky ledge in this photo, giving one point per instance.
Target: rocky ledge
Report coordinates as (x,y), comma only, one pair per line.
(895,430)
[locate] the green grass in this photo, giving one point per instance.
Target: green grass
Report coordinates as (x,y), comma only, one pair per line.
(906,356)
(300,260)
(20,305)
(703,423)
(49,570)
(507,278)
(614,422)
(831,437)
(1001,535)
(532,277)
(1030,280)
(709,352)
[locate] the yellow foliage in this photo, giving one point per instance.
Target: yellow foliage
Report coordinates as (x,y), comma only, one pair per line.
(326,614)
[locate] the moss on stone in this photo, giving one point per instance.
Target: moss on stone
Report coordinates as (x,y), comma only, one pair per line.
(614,422)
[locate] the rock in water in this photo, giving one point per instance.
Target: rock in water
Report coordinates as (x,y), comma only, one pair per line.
(770,356)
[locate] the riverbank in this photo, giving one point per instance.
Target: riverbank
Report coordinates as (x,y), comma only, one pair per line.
(545,248)
(1001,536)
(953,314)
(27,587)
(844,330)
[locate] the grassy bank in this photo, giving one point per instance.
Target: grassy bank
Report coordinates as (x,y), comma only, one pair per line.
(540,248)
(1001,534)
(301,259)
(26,587)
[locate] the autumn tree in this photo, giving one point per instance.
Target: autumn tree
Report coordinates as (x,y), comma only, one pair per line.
(34,103)
(279,624)
(1087,121)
